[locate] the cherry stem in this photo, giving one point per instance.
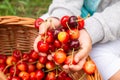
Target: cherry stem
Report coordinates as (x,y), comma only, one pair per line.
(7,67)
(72,56)
(68,26)
(81,78)
(52,69)
(15,70)
(33,62)
(53,26)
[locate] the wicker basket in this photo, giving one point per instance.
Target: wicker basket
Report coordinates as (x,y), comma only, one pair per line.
(19,33)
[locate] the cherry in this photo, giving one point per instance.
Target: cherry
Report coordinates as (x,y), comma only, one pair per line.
(57,43)
(52,46)
(32,76)
(50,37)
(72,22)
(13,70)
(69,60)
(64,21)
(42,59)
(63,37)
(43,46)
(50,76)
(24,75)
(25,56)
(74,44)
(17,54)
(39,65)
(50,65)
(15,78)
(38,22)
(11,60)
(89,67)
(34,54)
(2,58)
(59,56)
(39,74)
(31,68)
(80,23)
(74,33)
(22,66)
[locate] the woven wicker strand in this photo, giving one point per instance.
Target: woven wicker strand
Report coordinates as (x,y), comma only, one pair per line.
(19,33)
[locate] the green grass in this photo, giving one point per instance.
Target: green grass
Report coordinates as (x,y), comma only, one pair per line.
(24,8)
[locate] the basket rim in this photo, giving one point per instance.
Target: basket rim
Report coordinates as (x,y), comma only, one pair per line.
(16,20)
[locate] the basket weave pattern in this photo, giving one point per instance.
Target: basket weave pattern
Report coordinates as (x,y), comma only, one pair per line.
(19,33)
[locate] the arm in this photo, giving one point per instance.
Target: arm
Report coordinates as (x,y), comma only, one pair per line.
(104,26)
(59,8)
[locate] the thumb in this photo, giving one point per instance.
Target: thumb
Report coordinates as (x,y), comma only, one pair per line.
(43,27)
(36,42)
(79,56)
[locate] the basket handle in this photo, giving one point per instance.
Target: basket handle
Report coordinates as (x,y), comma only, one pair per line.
(15,20)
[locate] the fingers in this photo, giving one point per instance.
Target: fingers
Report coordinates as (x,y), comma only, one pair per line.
(49,23)
(36,42)
(77,67)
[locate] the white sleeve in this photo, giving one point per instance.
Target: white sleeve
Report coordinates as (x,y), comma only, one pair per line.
(59,8)
(104,26)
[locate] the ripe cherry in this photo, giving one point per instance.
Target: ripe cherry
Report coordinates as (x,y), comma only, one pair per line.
(59,56)
(64,21)
(72,22)
(38,22)
(89,67)
(39,74)
(74,44)
(63,37)
(80,23)
(43,46)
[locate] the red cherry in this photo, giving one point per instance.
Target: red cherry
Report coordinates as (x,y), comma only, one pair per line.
(50,65)
(43,59)
(68,60)
(17,54)
(38,22)
(25,56)
(64,21)
(50,37)
(31,68)
(15,78)
(80,23)
(51,76)
(34,54)
(57,43)
(43,46)
(32,76)
(39,74)
(24,75)
(2,58)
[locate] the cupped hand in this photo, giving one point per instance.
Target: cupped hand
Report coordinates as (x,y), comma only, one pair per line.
(80,57)
(51,22)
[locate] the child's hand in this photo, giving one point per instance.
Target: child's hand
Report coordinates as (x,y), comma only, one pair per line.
(80,57)
(2,76)
(85,42)
(49,23)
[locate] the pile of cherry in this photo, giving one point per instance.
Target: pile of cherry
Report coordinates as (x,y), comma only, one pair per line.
(59,46)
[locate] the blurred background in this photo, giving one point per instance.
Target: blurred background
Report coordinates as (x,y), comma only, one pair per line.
(24,8)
